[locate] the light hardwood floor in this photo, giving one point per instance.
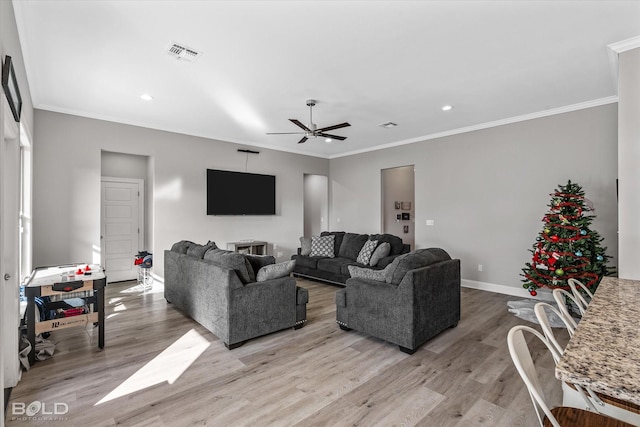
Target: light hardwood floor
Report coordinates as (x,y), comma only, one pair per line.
(316,376)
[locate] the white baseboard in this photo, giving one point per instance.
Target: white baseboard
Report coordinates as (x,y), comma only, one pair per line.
(518,291)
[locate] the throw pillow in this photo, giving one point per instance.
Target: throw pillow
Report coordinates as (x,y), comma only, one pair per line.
(181,246)
(367,250)
(381,251)
(232,261)
(394,241)
(275,271)
(367,273)
(197,251)
(305,246)
(322,246)
(259,261)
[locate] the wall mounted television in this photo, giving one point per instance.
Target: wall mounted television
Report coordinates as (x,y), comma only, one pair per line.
(240,193)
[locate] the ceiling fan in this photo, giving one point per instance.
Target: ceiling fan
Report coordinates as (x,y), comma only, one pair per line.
(312,130)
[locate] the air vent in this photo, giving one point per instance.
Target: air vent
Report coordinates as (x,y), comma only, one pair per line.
(181,51)
(388,125)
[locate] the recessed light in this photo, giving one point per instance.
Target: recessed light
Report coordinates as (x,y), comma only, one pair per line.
(146,97)
(447,108)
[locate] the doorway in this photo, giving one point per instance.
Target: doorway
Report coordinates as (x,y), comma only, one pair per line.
(121,225)
(316,204)
(398,203)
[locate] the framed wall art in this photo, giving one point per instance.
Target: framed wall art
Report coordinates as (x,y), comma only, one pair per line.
(10,86)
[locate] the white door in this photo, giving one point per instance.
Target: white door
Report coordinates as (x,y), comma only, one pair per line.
(9,249)
(121,227)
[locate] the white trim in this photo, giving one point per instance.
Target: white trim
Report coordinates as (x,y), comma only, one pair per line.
(519,291)
(536,115)
(187,132)
(615,49)
(501,122)
(625,45)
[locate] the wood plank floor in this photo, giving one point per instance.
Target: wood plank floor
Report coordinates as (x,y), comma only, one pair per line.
(316,376)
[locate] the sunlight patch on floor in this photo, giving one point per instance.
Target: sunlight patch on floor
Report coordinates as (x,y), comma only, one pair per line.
(167,366)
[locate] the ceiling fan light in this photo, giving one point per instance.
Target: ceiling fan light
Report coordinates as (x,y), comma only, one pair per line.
(328,140)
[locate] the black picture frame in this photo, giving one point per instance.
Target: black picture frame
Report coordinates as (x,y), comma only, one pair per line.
(11,89)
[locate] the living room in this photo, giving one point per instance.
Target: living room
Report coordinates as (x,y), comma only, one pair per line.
(485,185)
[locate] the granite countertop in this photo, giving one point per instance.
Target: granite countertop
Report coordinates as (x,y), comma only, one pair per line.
(604,353)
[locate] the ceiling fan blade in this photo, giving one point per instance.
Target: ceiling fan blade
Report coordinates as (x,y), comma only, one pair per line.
(299,124)
(285,133)
(304,138)
(326,135)
(341,125)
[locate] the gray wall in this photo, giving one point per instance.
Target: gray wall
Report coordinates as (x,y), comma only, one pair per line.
(628,155)
(67,163)
(487,190)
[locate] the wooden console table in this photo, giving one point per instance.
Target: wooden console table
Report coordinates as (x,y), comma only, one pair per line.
(59,283)
(251,247)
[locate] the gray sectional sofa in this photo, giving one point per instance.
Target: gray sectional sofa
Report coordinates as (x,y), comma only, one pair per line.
(333,267)
(409,302)
(233,295)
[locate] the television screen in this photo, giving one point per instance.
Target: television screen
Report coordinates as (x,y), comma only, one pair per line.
(240,193)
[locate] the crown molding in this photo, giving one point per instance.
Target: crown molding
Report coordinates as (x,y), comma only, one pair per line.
(625,45)
(487,125)
(615,49)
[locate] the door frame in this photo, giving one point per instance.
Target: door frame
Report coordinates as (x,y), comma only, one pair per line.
(142,234)
(9,233)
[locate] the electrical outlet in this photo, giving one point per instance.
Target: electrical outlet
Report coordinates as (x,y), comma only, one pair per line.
(479,267)
(279,254)
(431,222)
(338,220)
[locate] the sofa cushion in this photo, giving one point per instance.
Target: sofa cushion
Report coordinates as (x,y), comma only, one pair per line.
(334,265)
(181,246)
(306,261)
(233,261)
(396,271)
(275,271)
(367,250)
(337,241)
(259,261)
(197,251)
(322,246)
(394,241)
(381,251)
(351,245)
(367,273)
(305,246)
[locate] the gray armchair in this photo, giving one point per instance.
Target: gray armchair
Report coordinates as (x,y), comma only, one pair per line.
(411,301)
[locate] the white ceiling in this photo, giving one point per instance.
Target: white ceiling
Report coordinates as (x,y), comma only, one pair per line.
(366,62)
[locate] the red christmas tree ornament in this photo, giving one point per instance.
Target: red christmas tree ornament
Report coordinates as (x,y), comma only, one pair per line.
(533,293)
(554,238)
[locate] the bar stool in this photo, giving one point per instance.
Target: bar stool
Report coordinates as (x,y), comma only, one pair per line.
(574,284)
(560,416)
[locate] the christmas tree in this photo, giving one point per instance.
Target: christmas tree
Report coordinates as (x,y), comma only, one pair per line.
(566,247)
